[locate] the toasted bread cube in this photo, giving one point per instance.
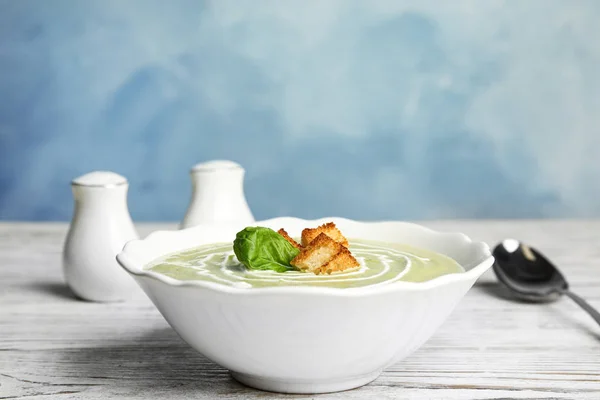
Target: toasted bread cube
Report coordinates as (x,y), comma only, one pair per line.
(318,253)
(340,262)
(308,234)
(287,237)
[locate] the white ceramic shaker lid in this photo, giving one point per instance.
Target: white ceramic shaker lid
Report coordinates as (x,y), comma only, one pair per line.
(215,165)
(100,179)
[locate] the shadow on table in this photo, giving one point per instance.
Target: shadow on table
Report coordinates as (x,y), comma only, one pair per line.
(54,289)
(154,362)
(502,292)
(495,289)
(576,318)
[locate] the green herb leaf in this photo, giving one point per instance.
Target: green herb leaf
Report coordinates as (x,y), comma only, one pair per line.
(264,249)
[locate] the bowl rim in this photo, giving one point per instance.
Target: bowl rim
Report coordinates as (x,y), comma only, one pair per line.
(483,262)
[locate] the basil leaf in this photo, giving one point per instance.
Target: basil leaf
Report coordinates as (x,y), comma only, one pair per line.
(264,249)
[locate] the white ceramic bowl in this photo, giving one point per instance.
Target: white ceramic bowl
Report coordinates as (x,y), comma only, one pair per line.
(307,339)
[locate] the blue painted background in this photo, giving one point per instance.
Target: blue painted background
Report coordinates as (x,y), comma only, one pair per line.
(365,109)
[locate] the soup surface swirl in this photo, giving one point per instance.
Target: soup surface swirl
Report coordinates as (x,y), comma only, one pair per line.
(380,264)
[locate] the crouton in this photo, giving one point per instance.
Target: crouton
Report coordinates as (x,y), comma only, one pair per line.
(319,252)
(340,262)
(324,255)
(329,229)
(287,237)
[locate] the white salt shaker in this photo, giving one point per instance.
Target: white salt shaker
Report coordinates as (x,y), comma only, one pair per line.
(217,195)
(100,228)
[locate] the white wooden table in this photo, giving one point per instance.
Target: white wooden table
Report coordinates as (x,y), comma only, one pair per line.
(53,346)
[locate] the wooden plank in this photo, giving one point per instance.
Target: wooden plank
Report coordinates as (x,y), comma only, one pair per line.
(52,345)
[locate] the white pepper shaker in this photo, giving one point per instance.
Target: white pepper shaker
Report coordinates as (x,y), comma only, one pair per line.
(100,228)
(217,195)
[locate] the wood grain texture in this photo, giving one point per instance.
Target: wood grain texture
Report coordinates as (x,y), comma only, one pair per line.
(54,346)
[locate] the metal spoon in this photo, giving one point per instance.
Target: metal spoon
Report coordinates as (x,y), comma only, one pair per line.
(530,276)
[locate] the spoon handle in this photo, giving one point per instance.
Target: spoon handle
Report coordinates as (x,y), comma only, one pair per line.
(585,305)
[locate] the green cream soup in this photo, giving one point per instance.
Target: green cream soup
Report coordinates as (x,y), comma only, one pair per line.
(380,263)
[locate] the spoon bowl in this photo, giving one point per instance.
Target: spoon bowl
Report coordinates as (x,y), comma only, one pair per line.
(529,275)
(532,277)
